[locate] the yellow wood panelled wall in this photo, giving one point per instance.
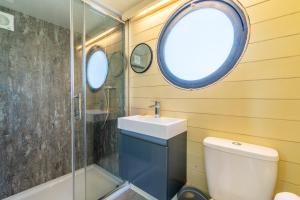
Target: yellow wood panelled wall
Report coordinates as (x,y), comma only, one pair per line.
(258,102)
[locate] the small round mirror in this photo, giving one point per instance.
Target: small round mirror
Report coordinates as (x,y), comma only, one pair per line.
(97,67)
(141,58)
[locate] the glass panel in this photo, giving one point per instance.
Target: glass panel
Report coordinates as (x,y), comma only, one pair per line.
(79,181)
(198,44)
(35,142)
(96,131)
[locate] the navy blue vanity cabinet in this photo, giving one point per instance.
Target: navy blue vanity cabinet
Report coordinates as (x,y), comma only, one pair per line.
(155,165)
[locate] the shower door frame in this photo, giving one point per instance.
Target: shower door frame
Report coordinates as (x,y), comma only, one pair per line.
(74,97)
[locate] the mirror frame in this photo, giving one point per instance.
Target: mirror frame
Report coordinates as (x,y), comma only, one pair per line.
(91,51)
(241,24)
(151,58)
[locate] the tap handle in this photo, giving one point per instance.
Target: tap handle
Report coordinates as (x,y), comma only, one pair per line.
(156,104)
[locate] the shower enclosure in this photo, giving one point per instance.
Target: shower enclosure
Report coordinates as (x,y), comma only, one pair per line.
(57,133)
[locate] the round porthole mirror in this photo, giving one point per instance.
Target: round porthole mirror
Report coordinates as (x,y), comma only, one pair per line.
(202,42)
(97,68)
(141,58)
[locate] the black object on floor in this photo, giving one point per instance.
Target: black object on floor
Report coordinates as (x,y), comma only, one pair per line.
(191,193)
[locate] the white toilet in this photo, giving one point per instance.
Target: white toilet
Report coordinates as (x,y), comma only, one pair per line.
(241,171)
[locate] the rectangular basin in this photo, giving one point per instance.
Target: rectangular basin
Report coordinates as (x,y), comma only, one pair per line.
(163,127)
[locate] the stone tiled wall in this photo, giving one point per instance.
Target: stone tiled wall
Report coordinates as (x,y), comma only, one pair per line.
(34,104)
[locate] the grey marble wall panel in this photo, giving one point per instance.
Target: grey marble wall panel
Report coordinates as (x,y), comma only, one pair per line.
(34,104)
(105,146)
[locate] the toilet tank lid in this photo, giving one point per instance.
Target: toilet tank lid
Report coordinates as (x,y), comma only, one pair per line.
(241,148)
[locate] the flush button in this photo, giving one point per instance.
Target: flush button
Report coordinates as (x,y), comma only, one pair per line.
(237,143)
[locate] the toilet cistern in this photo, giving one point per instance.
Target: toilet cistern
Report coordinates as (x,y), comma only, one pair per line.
(157,109)
(232,167)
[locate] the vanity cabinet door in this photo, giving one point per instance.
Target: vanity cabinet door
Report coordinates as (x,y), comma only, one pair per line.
(144,164)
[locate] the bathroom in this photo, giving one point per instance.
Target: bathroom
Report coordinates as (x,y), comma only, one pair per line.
(149,99)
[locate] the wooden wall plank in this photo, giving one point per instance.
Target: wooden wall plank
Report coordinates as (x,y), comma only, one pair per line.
(249,3)
(289,172)
(255,108)
(266,69)
(261,70)
(157,18)
(272,9)
(285,148)
(263,128)
(258,89)
(283,186)
(267,30)
(278,27)
(277,48)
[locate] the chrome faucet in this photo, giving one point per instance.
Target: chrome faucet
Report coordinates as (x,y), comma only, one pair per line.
(157,109)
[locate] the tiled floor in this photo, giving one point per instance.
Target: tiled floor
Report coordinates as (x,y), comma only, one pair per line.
(130,195)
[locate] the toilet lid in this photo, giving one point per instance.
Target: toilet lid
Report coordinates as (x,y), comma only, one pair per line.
(286,196)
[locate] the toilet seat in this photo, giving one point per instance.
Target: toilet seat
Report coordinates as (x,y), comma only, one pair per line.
(286,196)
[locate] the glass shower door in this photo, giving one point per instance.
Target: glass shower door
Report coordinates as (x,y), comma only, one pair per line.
(98,101)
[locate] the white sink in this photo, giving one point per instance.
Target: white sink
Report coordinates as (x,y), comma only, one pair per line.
(163,127)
